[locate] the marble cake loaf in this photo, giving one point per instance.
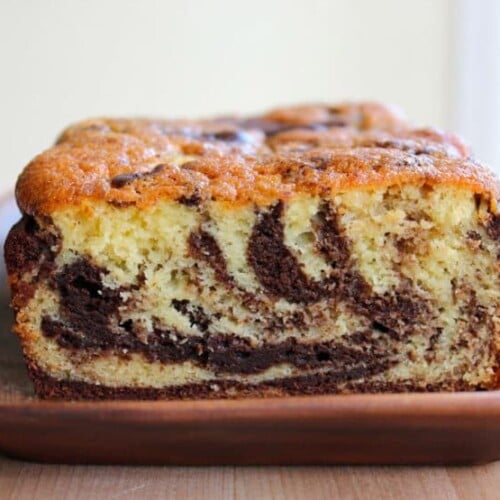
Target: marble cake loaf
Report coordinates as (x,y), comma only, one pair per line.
(310,250)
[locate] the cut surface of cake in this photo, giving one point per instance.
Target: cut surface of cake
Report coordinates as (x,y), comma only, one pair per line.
(310,250)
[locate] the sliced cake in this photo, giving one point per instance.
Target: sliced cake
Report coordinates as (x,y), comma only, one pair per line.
(311,250)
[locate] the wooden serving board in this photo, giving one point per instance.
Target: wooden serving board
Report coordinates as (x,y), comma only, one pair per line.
(359,429)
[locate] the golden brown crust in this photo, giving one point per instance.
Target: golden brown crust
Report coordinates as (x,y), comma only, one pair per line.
(313,149)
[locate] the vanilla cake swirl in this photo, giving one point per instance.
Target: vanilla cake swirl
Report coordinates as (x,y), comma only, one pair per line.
(310,250)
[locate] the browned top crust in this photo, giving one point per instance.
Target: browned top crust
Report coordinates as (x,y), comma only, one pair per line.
(316,149)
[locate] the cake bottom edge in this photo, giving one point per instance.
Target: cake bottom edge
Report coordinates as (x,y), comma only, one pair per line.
(49,387)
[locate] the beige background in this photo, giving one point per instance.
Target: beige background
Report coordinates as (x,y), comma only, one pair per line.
(66,60)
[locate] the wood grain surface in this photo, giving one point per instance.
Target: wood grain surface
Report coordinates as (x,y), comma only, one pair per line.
(21,480)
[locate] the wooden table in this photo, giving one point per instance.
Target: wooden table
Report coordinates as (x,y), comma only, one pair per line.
(20,480)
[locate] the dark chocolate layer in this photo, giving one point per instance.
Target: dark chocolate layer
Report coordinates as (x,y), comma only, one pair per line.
(28,246)
(85,303)
(279,272)
(273,263)
(493,227)
(226,353)
(331,242)
(326,383)
(123,180)
(204,247)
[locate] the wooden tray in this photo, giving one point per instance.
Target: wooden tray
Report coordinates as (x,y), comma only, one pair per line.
(364,429)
